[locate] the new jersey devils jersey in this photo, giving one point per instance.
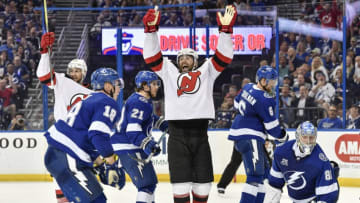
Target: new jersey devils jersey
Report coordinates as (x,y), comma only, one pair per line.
(188,95)
(67,92)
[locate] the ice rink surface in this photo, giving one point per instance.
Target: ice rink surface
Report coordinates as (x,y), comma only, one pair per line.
(43,192)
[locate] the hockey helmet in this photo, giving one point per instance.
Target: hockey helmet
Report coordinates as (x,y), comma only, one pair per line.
(266,72)
(77,63)
(102,75)
(145,76)
(306,135)
(189,52)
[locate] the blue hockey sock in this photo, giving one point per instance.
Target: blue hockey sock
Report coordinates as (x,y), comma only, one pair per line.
(261,194)
(249,193)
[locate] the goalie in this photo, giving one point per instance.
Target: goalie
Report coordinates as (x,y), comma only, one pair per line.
(302,164)
(188,90)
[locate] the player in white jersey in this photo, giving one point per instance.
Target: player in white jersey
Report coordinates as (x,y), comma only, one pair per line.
(304,167)
(68,89)
(188,89)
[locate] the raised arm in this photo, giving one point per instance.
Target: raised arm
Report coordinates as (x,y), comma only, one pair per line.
(224,52)
(152,53)
(43,70)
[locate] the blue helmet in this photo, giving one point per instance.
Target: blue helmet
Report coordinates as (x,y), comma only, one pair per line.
(306,129)
(102,75)
(145,76)
(266,72)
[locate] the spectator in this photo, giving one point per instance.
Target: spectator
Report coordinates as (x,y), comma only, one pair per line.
(293,59)
(21,70)
(322,91)
(283,68)
(232,92)
(331,121)
(286,97)
(18,123)
(333,63)
(300,81)
(353,121)
(172,21)
(6,94)
(100,23)
(291,40)
(301,52)
(329,15)
(240,4)
(317,65)
(354,46)
(355,79)
(224,116)
(304,101)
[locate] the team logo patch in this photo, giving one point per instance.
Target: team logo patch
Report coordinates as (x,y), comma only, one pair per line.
(75,99)
(323,157)
(284,162)
(188,83)
(295,179)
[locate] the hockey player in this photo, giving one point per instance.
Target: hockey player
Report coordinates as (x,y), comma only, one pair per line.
(75,142)
(304,167)
(188,89)
(134,138)
(256,118)
(68,89)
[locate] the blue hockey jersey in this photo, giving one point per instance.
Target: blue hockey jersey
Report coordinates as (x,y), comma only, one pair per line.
(310,177)
(136,123)
(87,129)
(255,115)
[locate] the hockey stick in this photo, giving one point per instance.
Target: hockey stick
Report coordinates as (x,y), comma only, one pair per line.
(148,159)
(49,49)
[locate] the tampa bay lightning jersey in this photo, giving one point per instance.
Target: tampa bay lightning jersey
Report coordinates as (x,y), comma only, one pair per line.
(307,178)
(135,124)
(86,131)
(255,115)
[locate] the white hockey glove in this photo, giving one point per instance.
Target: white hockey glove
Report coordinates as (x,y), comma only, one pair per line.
(227,21)
(272,195)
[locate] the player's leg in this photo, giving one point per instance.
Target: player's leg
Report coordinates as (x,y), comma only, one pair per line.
(142,175)
(202,166)
(253,156)
(77,181)
(60,197)
(179,159)
(229,171)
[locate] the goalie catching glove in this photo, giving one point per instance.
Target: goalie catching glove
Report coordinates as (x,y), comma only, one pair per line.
(111,175)
(151,20)
(227,21)
(47,40)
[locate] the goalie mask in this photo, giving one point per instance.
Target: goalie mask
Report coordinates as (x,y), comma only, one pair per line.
(306,135)
(187,52)
(80,64)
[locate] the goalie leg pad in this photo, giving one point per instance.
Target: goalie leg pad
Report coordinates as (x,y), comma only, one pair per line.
(272,195)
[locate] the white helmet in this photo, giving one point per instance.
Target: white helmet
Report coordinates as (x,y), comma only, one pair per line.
(77,63)
(190,52)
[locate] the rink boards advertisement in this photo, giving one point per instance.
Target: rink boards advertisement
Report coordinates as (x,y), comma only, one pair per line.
(22,155)
(246,41)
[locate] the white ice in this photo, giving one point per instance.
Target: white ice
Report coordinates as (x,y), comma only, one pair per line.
(43,192)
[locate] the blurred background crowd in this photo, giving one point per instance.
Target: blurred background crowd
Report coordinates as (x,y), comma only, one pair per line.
(310,68)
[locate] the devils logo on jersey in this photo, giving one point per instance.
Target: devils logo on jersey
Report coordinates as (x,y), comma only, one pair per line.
(75,99)
(188,83)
